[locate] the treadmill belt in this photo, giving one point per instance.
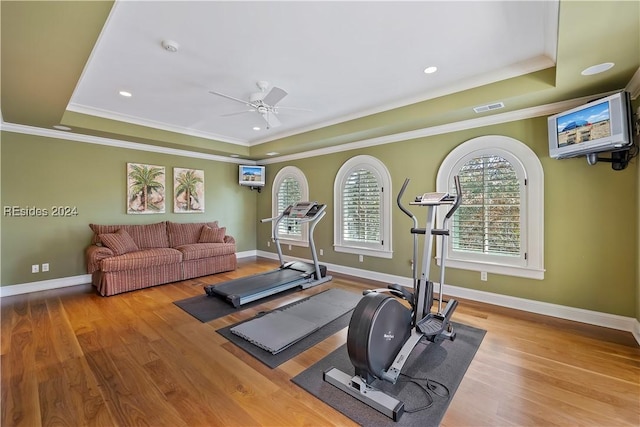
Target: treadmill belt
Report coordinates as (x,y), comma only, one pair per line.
(258,282)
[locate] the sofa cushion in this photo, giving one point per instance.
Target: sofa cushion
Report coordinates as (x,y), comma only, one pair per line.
(119,242)
(183,234)
(206,250)
(141,259)
(146,236)
(212,235)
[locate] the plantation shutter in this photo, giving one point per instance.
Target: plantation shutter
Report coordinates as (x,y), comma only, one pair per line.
(361,208)
(289,193)
(488,221)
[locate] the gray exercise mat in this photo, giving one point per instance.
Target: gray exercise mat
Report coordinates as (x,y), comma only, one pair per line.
(284,327)
(445,363)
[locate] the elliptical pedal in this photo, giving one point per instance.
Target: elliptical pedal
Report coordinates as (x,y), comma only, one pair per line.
(431,325)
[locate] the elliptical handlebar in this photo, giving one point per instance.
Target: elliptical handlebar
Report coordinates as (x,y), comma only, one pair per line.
(402,208)
(458,199)
(414,260)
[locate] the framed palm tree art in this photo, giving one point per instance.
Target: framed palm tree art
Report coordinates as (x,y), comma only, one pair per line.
(188,190)
(145,189)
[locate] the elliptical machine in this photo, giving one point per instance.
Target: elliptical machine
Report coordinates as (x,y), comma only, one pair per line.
(383,332)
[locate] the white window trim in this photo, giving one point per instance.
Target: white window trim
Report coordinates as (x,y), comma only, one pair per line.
(380,170)
(532,205)
(298,175)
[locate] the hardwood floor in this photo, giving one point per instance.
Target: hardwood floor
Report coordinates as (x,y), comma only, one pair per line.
(70,357)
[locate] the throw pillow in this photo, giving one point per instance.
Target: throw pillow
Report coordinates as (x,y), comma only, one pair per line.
(119,242)
(212,235)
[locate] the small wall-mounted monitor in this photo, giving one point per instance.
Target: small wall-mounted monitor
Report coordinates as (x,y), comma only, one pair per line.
(601,125)
(251,176)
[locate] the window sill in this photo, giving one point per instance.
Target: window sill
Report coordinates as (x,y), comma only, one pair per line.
(506,270)
(363,251)
(301,243)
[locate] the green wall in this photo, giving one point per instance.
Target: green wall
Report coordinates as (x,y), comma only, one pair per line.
(591,212)
(591,220)
(43,172)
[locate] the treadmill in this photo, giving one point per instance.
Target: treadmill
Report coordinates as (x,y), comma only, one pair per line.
(289,275)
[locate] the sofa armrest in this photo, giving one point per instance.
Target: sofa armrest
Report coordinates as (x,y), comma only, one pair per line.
(94,254)
(229,239)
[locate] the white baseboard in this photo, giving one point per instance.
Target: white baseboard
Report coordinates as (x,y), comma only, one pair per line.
(44,285)
(606,320)
(63,282)
(569,313)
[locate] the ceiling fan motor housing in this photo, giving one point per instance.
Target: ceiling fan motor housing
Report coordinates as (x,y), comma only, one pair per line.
(256,97)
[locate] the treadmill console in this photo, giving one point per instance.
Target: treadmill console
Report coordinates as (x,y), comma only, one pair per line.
(302,210)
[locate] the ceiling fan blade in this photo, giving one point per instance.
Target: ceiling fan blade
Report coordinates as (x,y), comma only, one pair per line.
(274,96)
(271,119)
(231,98)
(237,113)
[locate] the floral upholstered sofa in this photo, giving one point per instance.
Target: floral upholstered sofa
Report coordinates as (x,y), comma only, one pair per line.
(123,258)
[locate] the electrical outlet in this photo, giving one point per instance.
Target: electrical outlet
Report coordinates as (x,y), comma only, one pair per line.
(483,276)
(35,268)
(45,267)
(268,243)
(289,247)
(360,258)
(321,252)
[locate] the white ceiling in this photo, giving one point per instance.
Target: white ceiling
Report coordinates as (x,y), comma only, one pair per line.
(340,60)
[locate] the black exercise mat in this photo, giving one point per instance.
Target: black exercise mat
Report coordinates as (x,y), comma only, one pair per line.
(445,363)
(206,308)
(275,360)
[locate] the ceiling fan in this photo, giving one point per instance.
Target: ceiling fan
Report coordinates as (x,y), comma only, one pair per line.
(262,102)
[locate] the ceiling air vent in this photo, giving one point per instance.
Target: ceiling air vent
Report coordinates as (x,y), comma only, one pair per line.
(488,107)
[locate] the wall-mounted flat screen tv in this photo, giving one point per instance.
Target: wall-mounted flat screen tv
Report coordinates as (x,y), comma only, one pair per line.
(252,176)
(601,125)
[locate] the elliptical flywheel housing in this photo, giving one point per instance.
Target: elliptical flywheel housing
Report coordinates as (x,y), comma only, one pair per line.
(379,327)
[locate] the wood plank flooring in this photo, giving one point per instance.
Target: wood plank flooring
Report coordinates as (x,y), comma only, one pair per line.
(70,357)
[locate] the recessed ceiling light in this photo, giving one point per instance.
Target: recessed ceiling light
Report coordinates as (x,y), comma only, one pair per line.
(272,153)
(256,128)
(125,93)
(61,127)
(234,155)
(595,69)
(430,70)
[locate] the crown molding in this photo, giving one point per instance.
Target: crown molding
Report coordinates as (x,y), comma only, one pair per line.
(110,115)
(526,113)
(50,133)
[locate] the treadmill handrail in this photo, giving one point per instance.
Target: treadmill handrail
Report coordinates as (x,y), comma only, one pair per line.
(317,216)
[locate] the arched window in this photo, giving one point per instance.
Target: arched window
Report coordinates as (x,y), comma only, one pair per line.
(290,186)
(362,208)
(499,228)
